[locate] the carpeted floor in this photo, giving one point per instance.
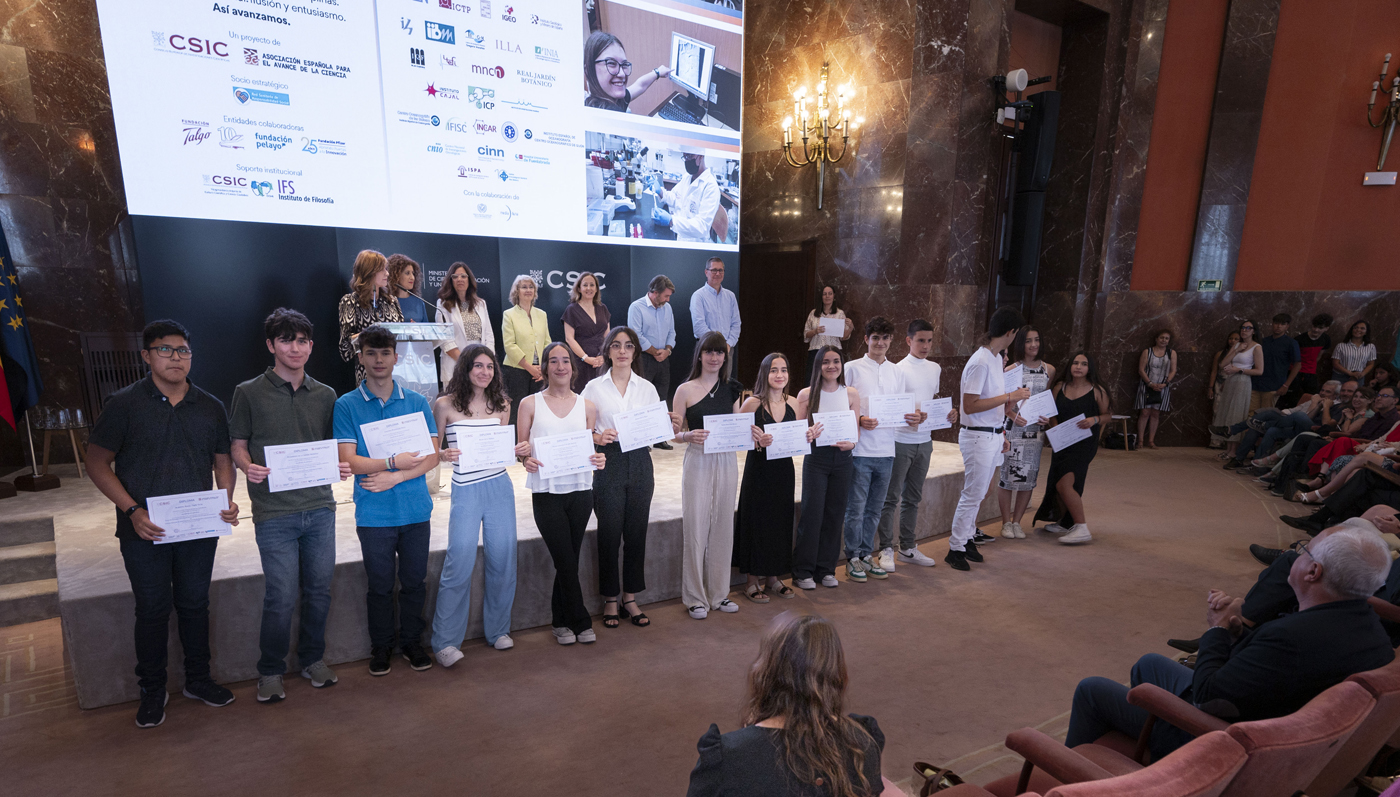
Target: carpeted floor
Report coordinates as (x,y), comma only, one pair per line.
(947,662)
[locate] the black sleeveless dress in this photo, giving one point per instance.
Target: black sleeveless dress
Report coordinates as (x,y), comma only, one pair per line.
(763,526)
(1074,459)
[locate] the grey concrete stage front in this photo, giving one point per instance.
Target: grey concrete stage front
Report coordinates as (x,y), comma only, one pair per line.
(98,609)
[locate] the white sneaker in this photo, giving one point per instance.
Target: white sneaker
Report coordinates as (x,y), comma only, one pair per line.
(887,560)
(503,642)
(1008,530)
(565,636)
(1053,528)
(449,656)
(916,557)
(728,605)
(1020,532)
(699,612)
(830,581)
(804,583)
(1079,533)
(588,636)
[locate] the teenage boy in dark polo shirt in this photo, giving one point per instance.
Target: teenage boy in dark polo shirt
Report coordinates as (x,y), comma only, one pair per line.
(165,437)
(1282,362)
(392,507)
(1313,345)
(295,529)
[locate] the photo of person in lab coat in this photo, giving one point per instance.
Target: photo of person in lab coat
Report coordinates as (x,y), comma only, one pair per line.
(690,207)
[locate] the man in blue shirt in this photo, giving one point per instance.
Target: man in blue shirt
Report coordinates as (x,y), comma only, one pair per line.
(655,324)
(392,507)
(1282,361)
(713,307)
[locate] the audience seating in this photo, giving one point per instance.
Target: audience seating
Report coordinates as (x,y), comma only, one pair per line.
(1377,729)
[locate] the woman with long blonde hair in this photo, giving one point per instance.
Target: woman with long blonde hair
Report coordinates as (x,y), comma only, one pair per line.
(369,302)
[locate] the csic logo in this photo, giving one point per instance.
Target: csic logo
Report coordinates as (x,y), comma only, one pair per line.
(406,25)
(261,187)
(536,19)
(509,15)
(510,47)
(508,132)
(229,138)
(226,181)
(547,54)
(491,153)
(417,57)
(566,279)
(451,6)
(436,32)
(437,148)
(195,132)
(445,61)
(484,99)
(489,71)
(189,45)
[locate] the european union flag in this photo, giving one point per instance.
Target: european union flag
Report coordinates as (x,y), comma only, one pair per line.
(21,386)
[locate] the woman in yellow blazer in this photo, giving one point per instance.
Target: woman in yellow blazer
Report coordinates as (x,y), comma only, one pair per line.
(525,333)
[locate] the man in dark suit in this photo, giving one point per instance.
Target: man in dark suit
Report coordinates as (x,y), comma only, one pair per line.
(1272,669)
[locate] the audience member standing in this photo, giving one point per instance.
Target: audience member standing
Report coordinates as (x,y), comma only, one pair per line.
(1281,364)
(459,304)
(984,398)
(1356,356)
(562,504)
(708,481)
(586,321)
(1020,469)
(294,529)
(763,524)
(524,333)
(392,506)
(713,307)
(1313,345)
(483,508)
(1243,361)
(622,490)
(826,307)
(652,318)
(1156,370)
(369,302)
(1217,380)
(165,437)
(826,475)
(1077,392)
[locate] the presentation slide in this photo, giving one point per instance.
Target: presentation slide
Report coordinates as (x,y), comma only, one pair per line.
(473,118)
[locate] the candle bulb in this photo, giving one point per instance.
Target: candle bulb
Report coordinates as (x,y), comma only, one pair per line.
(1374,87)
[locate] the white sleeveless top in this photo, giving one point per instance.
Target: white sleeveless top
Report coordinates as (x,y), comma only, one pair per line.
(546,424)
(834,400)
(1244,359)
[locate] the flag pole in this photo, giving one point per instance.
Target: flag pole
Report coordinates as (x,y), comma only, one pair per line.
(33,460)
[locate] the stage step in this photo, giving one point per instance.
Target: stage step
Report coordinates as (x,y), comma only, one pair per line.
(25,531)
(28,602)
(33,562)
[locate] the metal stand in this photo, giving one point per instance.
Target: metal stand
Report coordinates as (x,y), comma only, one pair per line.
(35,481)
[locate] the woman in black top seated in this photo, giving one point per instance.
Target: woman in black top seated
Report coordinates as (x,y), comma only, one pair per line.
(795,740)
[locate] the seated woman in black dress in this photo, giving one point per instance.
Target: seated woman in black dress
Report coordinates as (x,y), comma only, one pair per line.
(795,740)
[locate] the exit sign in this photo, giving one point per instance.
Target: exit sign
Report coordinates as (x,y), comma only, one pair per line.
(1208,285)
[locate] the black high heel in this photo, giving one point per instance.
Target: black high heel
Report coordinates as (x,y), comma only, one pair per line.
(612,620)
(640,620)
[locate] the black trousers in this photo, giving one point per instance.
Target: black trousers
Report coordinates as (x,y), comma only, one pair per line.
(659,375)
(826,481)
(622,499)
(1361,492)
(395,554)
(1302,383)
(173,575)
(562,520)
(519,384)
(1296,466)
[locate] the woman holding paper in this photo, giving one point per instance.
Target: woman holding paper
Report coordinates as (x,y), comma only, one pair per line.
(562,503)
(483,507)
(369,302)
(708,481)
(763,526)
(815,331)
(826,473)
(1021,466)
(622,490)
(1077,392)
(459,304)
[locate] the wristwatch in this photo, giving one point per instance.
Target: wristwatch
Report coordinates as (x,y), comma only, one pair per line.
(132,509)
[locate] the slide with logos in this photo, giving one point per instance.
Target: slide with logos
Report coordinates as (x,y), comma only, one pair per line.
(469,118)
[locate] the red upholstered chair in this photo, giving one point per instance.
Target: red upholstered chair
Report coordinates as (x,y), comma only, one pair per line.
(1375,731)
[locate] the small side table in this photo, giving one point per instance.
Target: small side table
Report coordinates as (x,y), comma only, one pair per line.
(57,422)
(1124,419)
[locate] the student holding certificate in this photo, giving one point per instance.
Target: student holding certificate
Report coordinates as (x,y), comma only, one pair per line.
(708,481)
(1021,467)
(826,474)
(1077,392)
(562,503)
(483,508)
(622,490)
(295,529)
(165,437)
(392,506)
(763,526)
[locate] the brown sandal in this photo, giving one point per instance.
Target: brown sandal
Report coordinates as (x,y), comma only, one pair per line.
(936,779)
(755,594)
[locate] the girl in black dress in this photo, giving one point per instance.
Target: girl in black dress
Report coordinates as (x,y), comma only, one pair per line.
(763,525)
(1077,390)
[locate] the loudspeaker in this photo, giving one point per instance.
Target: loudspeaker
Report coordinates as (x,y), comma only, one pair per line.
(1036,143)
(1023,259)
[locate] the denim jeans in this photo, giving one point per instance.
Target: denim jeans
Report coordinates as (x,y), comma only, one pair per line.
(388,549)
(1101,705)
(299,547)
(483,510)
(174,575)
(869,483)
(906,491)
(826,485)
(1278,428)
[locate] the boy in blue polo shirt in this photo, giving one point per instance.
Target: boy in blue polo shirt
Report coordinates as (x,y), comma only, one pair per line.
(392,506)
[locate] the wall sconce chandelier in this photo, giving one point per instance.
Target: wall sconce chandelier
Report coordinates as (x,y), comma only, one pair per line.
(1390,115)
(816,129)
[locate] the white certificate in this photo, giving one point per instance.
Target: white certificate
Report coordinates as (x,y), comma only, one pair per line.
(729,432)
(1066,433)
(837,427)
(890,409)
(189,516)
(298,465)
(398,435)
(562,454)
(789,439)
(1041,405)
(937,410)
(643,426)
(833,327)
(1013,379)
(482,447)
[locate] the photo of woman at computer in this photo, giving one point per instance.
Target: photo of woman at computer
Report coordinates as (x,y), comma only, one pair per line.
(606,71)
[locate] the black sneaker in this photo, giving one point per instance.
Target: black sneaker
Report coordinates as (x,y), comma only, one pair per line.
(972,554)
(211,693)
(1258,470)
(379,660)
(1185,645)
(957,560)
(417,657)
(664,446)
(1231,464)
(1277,490)
(152,710)
(1255,424)
(1264,556)
(982,539)
(1307,524)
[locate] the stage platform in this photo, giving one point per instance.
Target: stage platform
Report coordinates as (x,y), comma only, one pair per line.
(97,607)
